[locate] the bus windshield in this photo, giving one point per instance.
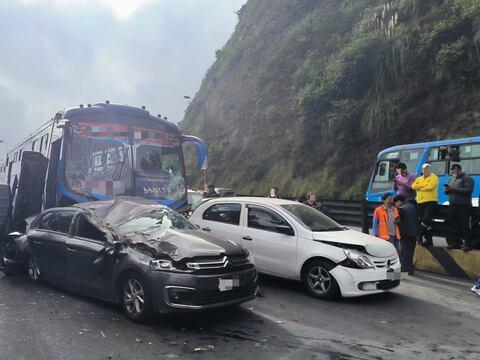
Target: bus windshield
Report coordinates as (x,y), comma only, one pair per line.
(385,169)
(109,159)
(97,161)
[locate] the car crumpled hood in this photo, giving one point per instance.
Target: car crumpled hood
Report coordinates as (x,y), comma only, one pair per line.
(176,244)
(374,246)
(180,244)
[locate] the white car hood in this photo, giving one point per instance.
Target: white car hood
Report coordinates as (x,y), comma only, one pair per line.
(374,246)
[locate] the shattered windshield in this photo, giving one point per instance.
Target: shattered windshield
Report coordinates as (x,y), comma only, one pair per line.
(160,172)
(165,218)
(97,159)
(311,218)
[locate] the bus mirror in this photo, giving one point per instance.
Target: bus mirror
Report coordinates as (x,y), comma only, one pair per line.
(63,124)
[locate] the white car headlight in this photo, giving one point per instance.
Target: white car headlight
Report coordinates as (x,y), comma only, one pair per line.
(358,259)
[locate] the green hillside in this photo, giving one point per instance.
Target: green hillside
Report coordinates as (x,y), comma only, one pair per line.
(306,92)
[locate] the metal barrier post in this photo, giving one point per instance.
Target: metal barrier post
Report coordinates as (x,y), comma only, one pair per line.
(365,222)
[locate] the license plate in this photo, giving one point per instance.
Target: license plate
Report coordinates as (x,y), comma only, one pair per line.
(228,284)
(394,275)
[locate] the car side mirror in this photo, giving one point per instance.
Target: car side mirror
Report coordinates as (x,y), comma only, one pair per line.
(114,248)
(285,229)
(15,234)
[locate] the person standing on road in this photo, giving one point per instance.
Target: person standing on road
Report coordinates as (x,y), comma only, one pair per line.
(407,224)
(459,190)
(385,221)
(426,187)
(312,201)
(402,184)
(211,193)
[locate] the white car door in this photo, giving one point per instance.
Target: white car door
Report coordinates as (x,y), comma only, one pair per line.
(271,240)
(222,219)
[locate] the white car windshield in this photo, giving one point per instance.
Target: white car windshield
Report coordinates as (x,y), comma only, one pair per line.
(311,218)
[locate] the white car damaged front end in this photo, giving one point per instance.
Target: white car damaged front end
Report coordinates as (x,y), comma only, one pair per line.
(368,266)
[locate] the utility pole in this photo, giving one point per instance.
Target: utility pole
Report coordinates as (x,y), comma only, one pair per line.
(204,112)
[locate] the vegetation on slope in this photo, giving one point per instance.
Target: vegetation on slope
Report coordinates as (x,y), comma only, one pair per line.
(305,93)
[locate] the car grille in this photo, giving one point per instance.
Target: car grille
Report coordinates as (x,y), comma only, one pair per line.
(383,264)
(223,263)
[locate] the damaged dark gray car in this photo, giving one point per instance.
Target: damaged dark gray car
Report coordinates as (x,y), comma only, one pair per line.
(144,256)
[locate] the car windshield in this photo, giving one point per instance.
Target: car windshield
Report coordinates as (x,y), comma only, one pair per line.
(164,218)
(311,218)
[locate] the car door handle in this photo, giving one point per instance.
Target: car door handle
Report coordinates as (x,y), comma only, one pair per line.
(248,238)
(37,242)
(206,229)
(71,250)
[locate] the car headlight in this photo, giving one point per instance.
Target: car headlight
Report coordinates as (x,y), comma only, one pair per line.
(356,259)
(160,265)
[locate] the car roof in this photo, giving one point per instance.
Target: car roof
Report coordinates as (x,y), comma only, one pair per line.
(253,199)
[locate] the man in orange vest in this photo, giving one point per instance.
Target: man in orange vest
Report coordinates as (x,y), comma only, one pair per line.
(385,221)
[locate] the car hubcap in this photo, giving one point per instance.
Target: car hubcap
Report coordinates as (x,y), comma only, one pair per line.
(133,297)
(319,280)
(33,270)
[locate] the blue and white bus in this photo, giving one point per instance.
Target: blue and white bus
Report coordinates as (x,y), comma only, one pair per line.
(96,152)
(439,154)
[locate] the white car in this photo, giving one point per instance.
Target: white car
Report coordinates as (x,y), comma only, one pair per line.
(295,241)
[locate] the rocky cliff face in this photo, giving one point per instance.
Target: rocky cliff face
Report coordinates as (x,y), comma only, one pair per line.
(305,93)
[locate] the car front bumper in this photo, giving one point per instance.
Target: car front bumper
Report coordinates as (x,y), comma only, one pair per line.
(359,282)
(186,292)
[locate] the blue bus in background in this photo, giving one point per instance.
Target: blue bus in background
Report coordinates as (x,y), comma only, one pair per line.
(439,154)
(100,151)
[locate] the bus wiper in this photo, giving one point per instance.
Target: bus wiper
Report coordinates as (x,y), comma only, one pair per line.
(89,196)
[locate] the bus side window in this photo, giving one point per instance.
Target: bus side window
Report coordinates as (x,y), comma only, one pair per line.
(437,161)
(469,158)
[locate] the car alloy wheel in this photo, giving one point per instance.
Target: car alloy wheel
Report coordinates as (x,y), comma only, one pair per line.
(319,281)
(136,298)
(34,272)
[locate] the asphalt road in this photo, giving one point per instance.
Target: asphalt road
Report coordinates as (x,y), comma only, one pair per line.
(427,317)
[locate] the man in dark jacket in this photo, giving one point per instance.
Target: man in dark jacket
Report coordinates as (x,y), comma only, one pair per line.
(407,225)
(459,191)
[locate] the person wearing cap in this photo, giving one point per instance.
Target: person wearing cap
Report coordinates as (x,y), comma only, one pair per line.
(402,184)
(459,190)
(426,187)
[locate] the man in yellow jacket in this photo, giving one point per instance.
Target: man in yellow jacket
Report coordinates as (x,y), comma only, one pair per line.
(426,187)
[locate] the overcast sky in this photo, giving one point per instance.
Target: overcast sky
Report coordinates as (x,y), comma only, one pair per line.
(60,53)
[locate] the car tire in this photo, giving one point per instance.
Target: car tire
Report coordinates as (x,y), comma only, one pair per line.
(318,280)
(136,298)
(33,271)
